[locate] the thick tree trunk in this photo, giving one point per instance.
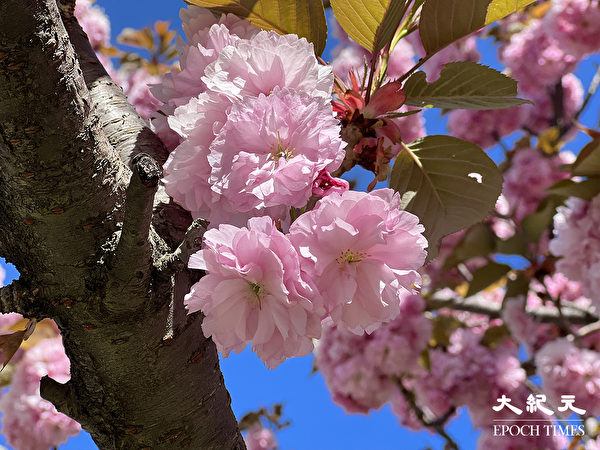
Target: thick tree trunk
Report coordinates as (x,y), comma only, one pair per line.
(79,173)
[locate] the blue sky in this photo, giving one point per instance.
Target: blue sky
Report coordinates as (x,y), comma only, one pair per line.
(316,423)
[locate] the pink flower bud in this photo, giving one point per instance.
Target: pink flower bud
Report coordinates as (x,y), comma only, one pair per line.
(385,99)
(325,184)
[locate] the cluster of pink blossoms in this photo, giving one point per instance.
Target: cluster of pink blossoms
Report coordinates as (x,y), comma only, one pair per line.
(359,370)
(94,22)
(577,242)
(135,83)
(260,438)
(350,260)
(29,421)
(535,58)
(555,44)
(253,141)
(528,177)
(254,129)
(575,24)
(567,369)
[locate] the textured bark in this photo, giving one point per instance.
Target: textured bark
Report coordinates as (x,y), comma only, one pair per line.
(78,177)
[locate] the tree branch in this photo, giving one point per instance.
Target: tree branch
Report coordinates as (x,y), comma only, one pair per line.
(59,178)
(128,133)
(436,425)
(542,314)
(191,243)
(133,257)
(62,187)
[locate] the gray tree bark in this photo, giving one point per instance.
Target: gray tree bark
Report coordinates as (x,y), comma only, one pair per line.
(79,173)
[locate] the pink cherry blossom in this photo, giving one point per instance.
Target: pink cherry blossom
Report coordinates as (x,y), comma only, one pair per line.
(255,292)
(535,58)
(402,410)
(396,347)
(359,370)
(272,149)
(577,242)
(94,22)
(7,320)
(575,24)
(539,116)
(486,127)
(187,171)
(528,177)
(136,86)
(503,227)
(469,374)
(250,67)
(567,369)
(401,60)
(197,23)
(207,37)
(362,253)
(354,383)
(560,287)
(28,421)
(325,184)
(260,438)
(523,328)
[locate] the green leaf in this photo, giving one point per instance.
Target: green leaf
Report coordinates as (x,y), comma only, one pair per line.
(424,361)
(486,276)
(363,19)
(389,24)
(536,223)
(403,114)
(445,21)
(586,189)
(514,245)
(306,18)
(588,160)
(479,241)
(443,327)
(517,285)
(455,184)
(494,335)
(463,85)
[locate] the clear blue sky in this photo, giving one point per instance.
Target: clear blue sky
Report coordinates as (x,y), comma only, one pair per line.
(317,423)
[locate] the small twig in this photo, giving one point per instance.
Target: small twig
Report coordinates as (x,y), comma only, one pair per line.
(558,104)
(437,424)
(592,89)
(415,67)
(542,314)
(133,256)
(173,262)
(563,321)
(587,330)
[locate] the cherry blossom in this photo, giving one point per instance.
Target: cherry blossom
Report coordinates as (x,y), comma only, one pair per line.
(535,58)
(578,244)
(94,22)
(362,252)
(29,421)
(575,24)
(255,292)
(566,369)
(260,438)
